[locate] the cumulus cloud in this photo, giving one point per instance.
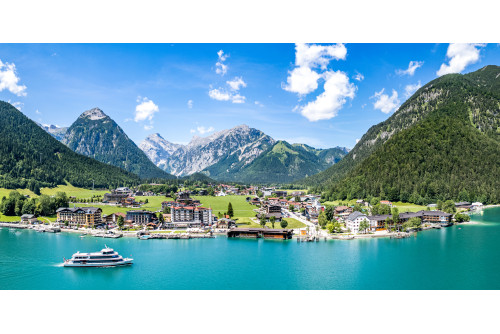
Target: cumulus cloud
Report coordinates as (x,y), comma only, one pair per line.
(311,62)
(412,88)
(202,130)
(220,67)
(461,56)
(359,77)
(231,91)
(190,104)
(386,103)
(312,55)
(302,80)
(412,67)
(9,79)
(236,83)
(145,110)
(327,104)
(237,98)
(221,94)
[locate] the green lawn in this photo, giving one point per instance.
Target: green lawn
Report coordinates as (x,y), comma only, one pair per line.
(241,207)
(154,202)
(9,218)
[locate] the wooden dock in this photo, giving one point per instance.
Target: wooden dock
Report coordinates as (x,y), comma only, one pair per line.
(255,233)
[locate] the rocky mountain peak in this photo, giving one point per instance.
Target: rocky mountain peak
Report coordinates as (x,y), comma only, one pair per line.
(94,114)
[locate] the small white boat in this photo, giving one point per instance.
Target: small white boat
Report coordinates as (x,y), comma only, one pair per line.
(107,257)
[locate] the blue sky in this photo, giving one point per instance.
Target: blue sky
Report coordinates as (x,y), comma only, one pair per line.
(322,95)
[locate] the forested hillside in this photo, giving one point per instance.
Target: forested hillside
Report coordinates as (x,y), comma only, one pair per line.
(31,158)
(443,143)
(284,163)
(478,91)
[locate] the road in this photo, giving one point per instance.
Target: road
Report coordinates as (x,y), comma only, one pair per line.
(312,227)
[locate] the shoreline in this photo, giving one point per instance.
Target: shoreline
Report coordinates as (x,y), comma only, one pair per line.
(128,234)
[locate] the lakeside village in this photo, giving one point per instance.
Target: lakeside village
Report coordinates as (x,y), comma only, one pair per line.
(184,217)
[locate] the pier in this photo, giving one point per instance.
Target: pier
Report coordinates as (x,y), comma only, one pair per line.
(256,233)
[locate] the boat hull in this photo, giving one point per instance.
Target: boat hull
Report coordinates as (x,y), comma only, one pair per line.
(125,262)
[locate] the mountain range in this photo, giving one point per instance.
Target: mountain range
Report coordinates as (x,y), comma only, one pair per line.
(240,154)
(442,143)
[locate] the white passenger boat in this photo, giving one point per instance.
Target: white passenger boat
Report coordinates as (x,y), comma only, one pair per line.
(107,257)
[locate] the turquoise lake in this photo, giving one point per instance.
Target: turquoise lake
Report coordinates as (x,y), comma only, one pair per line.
(457,257)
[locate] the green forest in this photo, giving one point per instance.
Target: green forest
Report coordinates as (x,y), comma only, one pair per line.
(30,158)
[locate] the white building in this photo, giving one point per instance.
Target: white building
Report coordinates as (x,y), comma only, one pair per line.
(353,221)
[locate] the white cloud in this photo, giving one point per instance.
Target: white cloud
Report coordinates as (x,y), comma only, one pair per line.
(236,83)
(145,110)
(312,55)
(148,127)
(238,98)
(410,89)
(220,94)
(460,55)
(302,80)
(327,104)
(259,104)
(9,79)
(386,103)
(190,104)
(202,130)
(231,92)
(412,67)
(220,67)
(359,77)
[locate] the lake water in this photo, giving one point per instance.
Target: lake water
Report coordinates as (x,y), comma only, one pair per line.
(457,257)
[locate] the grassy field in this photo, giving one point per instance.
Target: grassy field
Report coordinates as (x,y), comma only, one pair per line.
(292,223)
(154,202)
(72,191)
(241,207)
(6,192)
(68,189)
